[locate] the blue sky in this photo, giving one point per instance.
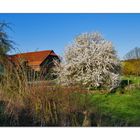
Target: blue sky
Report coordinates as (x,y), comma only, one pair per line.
(32,32)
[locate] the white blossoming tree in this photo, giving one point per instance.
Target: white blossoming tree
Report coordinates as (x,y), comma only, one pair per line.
(90,60)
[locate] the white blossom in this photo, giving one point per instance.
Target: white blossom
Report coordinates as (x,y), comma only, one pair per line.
(90,60)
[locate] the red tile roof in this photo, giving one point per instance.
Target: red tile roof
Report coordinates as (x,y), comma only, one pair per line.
(33,58)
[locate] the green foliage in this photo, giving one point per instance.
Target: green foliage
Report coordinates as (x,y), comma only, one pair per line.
(131,67)
(1,69)
(5,43)
(133,79)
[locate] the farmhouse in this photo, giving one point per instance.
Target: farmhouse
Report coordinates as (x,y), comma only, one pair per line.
(37,61)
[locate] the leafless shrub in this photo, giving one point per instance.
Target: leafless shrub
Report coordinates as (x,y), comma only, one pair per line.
(47,104)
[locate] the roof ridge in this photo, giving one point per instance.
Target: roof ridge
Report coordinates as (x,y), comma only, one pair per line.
(39,56)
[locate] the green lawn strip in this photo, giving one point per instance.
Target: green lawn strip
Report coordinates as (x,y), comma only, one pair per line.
(121,109)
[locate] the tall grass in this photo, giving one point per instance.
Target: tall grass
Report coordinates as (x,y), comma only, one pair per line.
(13,89)
(41,102)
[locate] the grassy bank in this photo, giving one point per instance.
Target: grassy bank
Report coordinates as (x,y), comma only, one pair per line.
(118,109)
(103,110)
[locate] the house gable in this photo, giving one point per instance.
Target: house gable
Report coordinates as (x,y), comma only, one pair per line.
(33,59)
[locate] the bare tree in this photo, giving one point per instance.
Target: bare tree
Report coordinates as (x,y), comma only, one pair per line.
(133,54)
(131,65)
(90,60)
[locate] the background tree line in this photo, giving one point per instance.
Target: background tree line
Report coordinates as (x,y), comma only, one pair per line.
(131,63)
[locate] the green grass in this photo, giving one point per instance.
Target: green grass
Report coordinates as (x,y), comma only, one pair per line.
(118,109)
(134,79)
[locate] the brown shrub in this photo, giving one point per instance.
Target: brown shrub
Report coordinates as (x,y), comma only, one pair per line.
(44,103)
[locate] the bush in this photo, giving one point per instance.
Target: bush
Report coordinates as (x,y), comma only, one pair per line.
(131,67)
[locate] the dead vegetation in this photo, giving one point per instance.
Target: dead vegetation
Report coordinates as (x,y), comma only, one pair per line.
(41,102)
